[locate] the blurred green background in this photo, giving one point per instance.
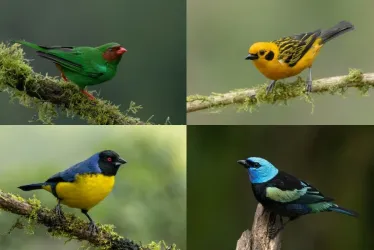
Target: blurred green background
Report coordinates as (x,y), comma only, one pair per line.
(338,160)
(148,202)
(220,32)
(153,71)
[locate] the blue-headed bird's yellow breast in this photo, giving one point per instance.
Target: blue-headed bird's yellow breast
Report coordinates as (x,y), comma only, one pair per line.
(86,191)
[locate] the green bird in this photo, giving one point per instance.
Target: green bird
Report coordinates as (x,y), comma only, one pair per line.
(83,66)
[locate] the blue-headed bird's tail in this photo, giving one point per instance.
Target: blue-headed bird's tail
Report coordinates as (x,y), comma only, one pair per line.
(343,211)
(32,186)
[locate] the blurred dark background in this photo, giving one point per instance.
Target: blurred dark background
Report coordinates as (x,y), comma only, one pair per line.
(153,71)
(148,201)
(338,160)
(220,33)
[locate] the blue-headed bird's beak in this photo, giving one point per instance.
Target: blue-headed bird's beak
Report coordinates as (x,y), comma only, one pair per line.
(120,161)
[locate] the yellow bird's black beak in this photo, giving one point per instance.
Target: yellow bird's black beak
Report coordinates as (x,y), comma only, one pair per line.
(251,57)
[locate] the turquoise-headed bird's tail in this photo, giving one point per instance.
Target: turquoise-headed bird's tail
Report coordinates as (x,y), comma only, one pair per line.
(343,211)
(32,186)
(31,45)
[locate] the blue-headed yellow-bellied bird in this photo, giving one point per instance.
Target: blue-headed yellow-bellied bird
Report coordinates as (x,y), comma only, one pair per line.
(83,66)
(83,185)
(284,194)
(290,55)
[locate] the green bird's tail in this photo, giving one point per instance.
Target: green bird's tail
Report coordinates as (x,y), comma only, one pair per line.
(336,31)
(32,186)
(31,45)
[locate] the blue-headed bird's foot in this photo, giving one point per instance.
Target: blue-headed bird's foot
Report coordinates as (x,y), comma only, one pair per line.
(93,228)
(58,211)
(270,87)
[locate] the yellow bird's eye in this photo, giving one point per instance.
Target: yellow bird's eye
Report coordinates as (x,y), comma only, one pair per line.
(262,52)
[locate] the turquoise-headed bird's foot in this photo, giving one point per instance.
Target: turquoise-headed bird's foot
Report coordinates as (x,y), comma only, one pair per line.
(273,232)
(85,92)
(270,87)
(58,211)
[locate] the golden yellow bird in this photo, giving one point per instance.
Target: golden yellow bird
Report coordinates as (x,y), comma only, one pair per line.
(290,55)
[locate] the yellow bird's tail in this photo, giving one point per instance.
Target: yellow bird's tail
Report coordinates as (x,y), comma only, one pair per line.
(336,31)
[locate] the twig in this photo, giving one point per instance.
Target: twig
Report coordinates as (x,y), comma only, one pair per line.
(259,238)
(282,91)
(48,94)
(71,228)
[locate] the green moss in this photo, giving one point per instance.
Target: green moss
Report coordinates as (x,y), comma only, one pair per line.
(33,218)
(159,246)
(13,67)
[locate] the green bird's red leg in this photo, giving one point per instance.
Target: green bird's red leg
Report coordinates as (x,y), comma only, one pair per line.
(91,97)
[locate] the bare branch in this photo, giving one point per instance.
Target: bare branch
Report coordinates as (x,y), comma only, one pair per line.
(259,238)
(282,91)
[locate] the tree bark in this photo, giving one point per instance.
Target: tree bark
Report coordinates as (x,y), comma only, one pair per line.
(260,237)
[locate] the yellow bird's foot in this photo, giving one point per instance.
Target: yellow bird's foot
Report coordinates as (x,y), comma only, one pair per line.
(270,87)
(308,86)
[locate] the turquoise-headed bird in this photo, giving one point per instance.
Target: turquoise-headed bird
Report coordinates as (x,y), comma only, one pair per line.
(83,185)
(284,194)
(83,66)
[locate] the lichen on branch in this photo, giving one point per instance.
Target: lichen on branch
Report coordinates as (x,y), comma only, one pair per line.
(70,228)
(50,94)
(249,99)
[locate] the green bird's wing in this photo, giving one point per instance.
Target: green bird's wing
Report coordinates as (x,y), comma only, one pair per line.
(288,189)
(83,60)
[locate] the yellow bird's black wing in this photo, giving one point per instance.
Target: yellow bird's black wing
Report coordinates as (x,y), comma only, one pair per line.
(293,48)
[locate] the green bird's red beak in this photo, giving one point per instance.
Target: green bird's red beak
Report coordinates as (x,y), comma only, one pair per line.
(121,51)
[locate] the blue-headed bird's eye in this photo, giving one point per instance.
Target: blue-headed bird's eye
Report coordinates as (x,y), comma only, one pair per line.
(256,165)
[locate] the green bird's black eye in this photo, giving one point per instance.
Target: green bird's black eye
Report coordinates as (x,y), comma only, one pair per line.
(262,52)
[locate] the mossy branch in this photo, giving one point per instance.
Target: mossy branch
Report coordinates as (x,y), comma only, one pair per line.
(253,97)
(259,238)
(49,94)
(70,228)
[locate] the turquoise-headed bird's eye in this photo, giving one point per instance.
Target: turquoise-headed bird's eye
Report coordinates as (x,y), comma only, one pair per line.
(256,165)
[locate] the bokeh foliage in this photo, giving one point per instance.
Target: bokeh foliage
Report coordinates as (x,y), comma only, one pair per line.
(148,202)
